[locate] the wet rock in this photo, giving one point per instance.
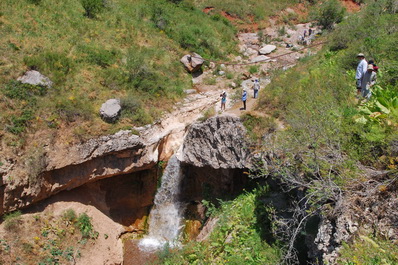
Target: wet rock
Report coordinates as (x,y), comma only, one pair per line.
(35,78)
(110,110)
(267,49)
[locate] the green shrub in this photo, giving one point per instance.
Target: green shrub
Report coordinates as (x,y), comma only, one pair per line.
(70,215)
(254,69)
(11,220)
(17,90)
(100,56)
(56,65)
(20,122)
(92,7)
(329,13)
(84,225)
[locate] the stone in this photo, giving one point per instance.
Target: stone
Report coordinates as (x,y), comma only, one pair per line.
(222,66)
(233,85)
(212,65)
(110,110)
(35,78)
(267,49)
(190,91)
(238,59)
(261,58)
(219,142)
(221,73)
(192,62)
(251,51)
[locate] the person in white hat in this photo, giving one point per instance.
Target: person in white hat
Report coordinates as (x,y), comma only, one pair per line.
(223,99)
(368,80)
(361,70)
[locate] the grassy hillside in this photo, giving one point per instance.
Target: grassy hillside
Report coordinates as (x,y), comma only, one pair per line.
(126,49)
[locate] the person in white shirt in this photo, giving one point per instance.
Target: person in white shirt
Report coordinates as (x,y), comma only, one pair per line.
(361,70)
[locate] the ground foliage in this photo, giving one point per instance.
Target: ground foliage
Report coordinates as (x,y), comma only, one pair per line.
(236,239)
(45,239)
(330,132)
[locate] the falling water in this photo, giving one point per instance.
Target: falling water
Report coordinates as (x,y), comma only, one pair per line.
(166,215)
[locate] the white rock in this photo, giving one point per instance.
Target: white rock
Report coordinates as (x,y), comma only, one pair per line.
(110,110)
(221,73)
(261,58)
(267,49)
(35,78)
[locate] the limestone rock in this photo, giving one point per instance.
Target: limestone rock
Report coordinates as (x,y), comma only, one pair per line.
(110,110)
(267,49)
(35,78)
(261,58)
(192,62)
(218,142)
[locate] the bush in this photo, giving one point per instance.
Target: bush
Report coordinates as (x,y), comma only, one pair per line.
(20,122)
(329,13)
(100,56)
(70,215)
(84,225)
(92,7)
(12,220)
(17,90)
(56,65)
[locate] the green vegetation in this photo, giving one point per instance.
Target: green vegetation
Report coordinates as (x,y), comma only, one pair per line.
(46,239)
(94,50)
(12,220)
(368,250)
(329,13)
(235,240)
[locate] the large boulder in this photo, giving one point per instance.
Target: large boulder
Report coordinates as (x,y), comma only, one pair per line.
(192,62)
(110,110)
(219,142)
(267,49)
(35,78)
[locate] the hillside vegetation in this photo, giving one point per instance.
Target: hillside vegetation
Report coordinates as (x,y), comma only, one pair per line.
(330,137)
(94,50)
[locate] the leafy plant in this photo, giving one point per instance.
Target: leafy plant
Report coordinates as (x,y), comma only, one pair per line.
(11,220)
(92,7)
(329,13)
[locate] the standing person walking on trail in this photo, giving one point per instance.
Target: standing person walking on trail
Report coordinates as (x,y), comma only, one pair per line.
(256,88)
(361,70)
(369,79)
(223,100)
(244,98)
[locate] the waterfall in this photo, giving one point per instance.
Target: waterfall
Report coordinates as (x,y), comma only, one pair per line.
(166,215)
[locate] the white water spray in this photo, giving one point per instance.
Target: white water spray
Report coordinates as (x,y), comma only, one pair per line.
(166,215)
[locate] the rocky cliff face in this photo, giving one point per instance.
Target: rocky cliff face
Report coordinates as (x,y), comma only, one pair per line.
(217,143)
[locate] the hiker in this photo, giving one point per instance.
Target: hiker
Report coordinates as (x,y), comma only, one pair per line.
(305,33)
(375,67)
(361,70)
(223,96)
(310,32)
(244,98)
(256,88)
(368,80)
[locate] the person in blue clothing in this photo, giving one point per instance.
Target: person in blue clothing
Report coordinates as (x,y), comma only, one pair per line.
(223,99)
(244,98)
